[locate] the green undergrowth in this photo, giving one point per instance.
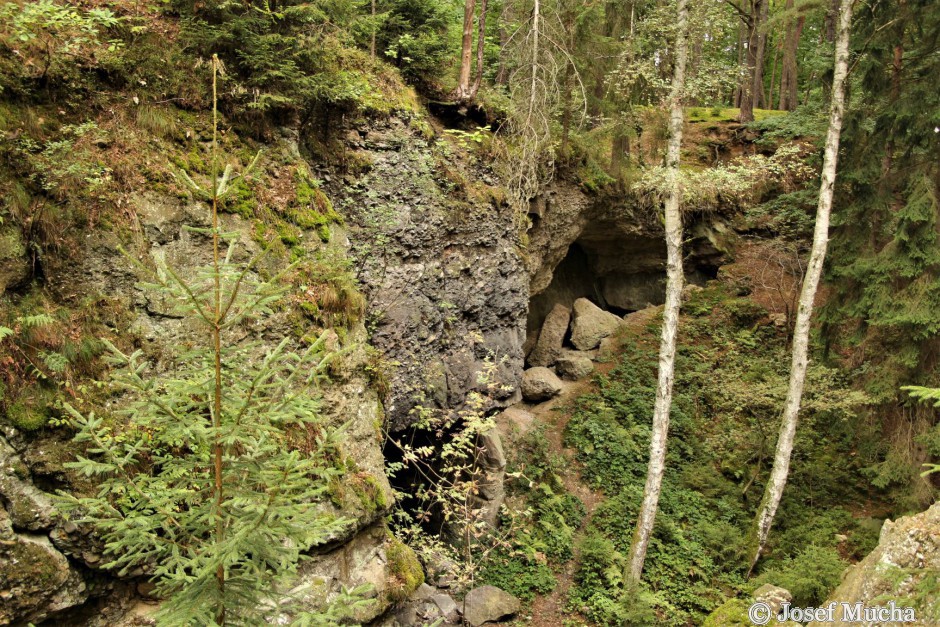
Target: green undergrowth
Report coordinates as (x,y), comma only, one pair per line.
(727,114)
(731,366)
(542,536)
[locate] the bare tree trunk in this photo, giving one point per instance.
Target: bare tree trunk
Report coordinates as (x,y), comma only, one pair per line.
(667,347)
(742,47)
(789,87)
(778,476)
(536,26)
(761,8)
(466,51)
(749,80)
(773,77)
(567,101)
(832,17)
(481,41)
(566,106)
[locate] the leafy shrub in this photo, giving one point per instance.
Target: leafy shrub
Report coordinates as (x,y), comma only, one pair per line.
(809,575)
(517,573)
(602,593)
(47,42)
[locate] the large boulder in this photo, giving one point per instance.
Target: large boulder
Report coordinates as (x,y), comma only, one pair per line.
(551,338)
(591,324)
(488,604)
(901,567)
(540,384)
(491,476)
(574,365)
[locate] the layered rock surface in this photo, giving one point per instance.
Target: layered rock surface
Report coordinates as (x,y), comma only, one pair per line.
(446,287)
(903,567)
(45,561)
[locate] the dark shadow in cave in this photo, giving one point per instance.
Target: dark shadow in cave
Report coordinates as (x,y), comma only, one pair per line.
(618,272)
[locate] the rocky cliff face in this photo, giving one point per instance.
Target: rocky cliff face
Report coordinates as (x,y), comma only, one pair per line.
(904,568)
(453,280)
(48,567)
(437,255)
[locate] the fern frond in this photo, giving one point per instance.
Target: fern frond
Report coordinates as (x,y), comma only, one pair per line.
(924,394)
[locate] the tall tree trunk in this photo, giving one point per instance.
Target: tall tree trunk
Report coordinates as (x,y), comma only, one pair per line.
(218,487)
(749,79)
(567,99)
(567,103)
(742,52)
(667,347)
(761,8)
(778,475)
(481,41)
(466,51)
(832,18)
(773,77)
(536,32)
(789,86)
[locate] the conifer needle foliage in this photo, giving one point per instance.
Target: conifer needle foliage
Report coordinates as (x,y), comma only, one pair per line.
(198,486)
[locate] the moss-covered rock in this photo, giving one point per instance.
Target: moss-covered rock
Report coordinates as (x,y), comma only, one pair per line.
(36,580)
(404,570)
(731,613)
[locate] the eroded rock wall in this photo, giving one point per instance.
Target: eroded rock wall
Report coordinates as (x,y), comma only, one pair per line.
(50,567)
(437,255)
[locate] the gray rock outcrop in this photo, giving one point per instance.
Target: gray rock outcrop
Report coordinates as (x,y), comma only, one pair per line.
(574,365)
(488,604)
(551,337)
(43,559)
(540,384)
(445,284)
(590,324)
(901,567)
(491,477)
(36,580)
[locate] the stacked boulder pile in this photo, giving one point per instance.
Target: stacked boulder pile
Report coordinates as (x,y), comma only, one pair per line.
(568,344)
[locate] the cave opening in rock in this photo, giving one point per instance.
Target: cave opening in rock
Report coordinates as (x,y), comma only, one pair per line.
(618,272)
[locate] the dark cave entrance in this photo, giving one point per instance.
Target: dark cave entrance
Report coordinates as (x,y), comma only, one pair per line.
(618,272)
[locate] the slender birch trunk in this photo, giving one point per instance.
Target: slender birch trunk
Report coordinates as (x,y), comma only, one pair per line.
(778,476)
(667,347)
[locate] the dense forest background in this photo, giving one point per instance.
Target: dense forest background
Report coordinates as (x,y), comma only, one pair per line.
(259,112)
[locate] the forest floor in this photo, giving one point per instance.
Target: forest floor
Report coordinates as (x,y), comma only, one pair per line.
(548,610)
